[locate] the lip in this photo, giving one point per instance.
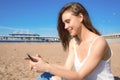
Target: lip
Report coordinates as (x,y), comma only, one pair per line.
(70,31)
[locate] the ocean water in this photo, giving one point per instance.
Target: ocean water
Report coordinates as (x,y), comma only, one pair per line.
(115,40)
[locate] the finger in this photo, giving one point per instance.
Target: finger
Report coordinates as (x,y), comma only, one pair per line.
(37,55)
(31,64)
(31,67)
(33,58)
(26,58)
(34,69)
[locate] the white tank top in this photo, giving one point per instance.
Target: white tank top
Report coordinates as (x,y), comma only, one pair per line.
(101,72)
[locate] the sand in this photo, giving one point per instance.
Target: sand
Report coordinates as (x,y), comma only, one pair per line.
(14,67)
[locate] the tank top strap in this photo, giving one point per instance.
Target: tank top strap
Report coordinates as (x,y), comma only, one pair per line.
(74,46)
(76,61)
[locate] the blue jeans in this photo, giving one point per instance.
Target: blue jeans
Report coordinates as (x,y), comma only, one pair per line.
(45,76)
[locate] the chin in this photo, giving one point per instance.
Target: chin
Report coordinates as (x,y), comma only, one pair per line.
(73,35)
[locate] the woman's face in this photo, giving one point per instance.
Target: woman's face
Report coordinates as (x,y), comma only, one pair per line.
(72,23)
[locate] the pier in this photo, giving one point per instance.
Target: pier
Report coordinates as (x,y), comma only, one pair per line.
(27,37)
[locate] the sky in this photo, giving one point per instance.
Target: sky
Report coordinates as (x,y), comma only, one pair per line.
(40,16)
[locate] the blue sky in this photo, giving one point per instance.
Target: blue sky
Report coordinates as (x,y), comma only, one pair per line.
(40,16)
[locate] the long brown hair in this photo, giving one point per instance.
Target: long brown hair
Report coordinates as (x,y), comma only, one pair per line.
(75,8)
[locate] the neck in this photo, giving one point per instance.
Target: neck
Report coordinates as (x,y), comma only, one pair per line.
(85,34)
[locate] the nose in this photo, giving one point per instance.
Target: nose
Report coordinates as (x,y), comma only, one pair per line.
(66,26)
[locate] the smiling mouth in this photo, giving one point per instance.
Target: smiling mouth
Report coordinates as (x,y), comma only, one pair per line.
(69,30)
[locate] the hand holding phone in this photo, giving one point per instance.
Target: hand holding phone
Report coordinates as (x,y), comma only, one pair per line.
(31,58)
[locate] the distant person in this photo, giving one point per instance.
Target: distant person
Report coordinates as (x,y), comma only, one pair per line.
(88,51)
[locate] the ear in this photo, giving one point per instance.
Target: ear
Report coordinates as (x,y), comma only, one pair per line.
(81,17)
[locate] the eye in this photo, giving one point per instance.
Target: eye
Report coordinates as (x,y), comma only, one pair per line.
(67,21)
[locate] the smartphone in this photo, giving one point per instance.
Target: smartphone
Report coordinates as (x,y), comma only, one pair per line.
(31,58)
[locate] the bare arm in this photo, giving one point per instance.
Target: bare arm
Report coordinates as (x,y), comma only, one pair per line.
(70,59)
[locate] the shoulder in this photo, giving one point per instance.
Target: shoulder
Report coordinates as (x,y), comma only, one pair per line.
(99,45)
(99,41)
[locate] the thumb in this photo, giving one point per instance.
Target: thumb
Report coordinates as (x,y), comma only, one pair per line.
(37,55)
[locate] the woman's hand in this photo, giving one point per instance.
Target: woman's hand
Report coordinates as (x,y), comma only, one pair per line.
(40,65)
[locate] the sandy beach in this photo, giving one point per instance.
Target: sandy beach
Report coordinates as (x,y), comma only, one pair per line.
(14,67)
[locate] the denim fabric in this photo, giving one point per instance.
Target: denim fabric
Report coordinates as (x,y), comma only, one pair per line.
(62,79)
(46,76)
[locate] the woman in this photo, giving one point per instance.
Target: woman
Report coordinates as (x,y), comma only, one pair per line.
(89,53)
